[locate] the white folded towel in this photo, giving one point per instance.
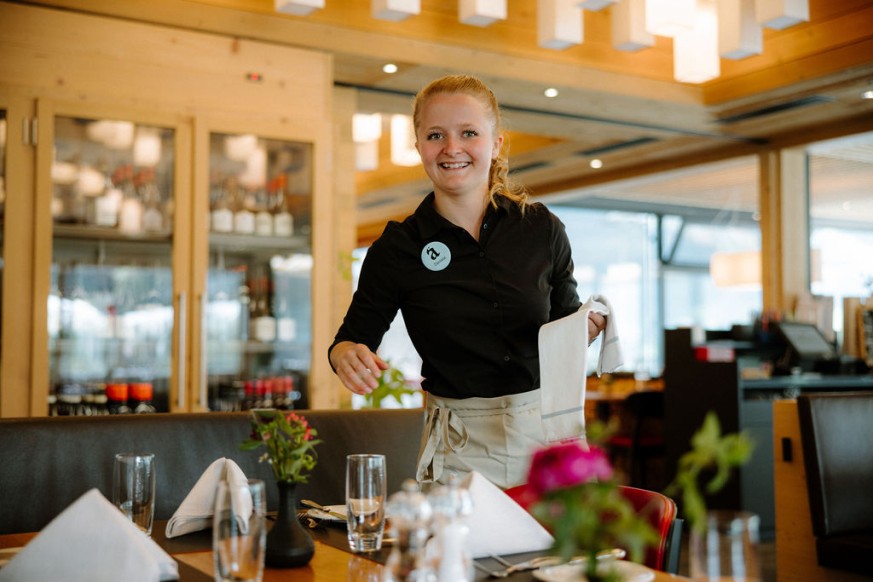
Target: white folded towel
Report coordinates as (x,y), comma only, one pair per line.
(563,347)
(499,525)
(90,541)
(195,511)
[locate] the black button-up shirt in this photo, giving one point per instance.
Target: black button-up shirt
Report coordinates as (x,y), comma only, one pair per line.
(472,309)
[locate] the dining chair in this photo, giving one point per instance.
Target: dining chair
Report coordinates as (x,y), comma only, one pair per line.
(836,432)
(641,435)
(657,508)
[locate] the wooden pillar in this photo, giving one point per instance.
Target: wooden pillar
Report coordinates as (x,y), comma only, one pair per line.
(784,204)
(331,393)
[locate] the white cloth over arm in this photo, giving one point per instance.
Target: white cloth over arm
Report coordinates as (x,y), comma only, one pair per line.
(563,348)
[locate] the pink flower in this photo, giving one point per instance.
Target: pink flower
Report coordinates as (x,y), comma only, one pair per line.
(566,465)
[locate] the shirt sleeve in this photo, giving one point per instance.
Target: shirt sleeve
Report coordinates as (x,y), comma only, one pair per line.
(376,301)
(564,297)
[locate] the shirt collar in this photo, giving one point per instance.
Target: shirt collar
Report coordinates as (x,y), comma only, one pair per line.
(430,222)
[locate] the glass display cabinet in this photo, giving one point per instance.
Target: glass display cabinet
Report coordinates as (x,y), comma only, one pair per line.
(257,319)
(110,312)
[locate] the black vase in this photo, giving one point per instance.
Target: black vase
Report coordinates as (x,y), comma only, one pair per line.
(289,545)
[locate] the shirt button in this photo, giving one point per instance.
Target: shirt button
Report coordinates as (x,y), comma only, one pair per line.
(496,305)
(505,358)
(485,226)
(481,253)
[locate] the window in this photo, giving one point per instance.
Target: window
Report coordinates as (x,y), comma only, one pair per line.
(841,221)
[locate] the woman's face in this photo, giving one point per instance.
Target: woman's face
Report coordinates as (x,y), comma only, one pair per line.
(456,141)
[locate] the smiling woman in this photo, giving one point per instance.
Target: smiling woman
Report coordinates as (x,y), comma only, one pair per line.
(476,271)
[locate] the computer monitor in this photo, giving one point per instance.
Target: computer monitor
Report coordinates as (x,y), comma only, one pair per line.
(806,340)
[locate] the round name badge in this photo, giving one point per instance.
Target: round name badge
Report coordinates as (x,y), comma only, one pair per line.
(436,256)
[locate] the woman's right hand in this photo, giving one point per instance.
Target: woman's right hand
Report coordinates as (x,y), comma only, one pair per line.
(357,366)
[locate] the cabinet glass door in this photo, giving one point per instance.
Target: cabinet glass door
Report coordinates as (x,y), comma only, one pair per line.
(257,319)
(110,306)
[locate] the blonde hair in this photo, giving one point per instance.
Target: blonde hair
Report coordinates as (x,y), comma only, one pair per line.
(499,182)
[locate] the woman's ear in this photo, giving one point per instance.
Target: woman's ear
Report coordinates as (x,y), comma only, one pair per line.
(495,149)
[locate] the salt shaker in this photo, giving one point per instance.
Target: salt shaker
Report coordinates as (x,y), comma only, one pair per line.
(448,549)
(409,513)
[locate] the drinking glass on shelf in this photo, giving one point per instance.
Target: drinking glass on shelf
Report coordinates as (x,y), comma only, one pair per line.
(133,488)
(239,531)
(365,501)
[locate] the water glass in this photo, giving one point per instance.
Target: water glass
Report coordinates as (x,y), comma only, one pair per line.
(239,531)
(365,501)
(133,488)
(727,549)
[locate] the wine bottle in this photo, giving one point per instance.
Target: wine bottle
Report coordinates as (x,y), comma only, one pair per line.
(263,217)
(152,216)
(131,211)
(221,213)
(243,217)
(283,220)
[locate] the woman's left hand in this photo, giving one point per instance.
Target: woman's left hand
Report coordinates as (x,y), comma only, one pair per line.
(596,324)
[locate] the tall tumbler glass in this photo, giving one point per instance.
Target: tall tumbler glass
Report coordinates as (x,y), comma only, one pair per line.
(133,488)
(727,549)
(365,501)
(239,531)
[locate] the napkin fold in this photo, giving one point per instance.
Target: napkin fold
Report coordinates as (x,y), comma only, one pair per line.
(90,541)
(564,364)
(195,511)
(499,525)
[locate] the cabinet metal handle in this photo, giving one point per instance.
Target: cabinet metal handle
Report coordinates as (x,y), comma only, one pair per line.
(204,403)
(181,336)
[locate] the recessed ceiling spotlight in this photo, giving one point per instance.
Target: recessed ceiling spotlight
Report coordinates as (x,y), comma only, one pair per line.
(596,163)
(389,68)
(867,94)
(550,92)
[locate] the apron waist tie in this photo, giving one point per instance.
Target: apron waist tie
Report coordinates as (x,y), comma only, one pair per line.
(442,426)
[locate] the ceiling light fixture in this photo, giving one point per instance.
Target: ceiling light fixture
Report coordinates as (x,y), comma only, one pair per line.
(629,26)
(298,7)
(366,131)
(550,92)
(704,31)
(481,12)
(403,152)
(695,51)
(395,10)
(389,68)
(867,94)
(596,163)
(559,24)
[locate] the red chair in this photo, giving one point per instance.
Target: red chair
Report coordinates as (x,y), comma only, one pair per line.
(641,437)
(659,509)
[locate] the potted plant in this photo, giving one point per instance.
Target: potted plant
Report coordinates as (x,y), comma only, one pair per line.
(723,543)
(290,450)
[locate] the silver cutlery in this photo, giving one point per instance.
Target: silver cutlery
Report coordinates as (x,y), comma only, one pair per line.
(330,512)
(543,561)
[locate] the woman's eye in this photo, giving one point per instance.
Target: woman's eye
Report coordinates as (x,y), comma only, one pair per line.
(434,135)
(470,133)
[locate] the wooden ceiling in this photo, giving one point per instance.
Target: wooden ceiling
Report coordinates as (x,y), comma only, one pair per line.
(622,107)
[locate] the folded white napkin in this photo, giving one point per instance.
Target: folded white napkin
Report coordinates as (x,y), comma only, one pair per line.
(563,367)
(90,541)
(195,511)
(499,525)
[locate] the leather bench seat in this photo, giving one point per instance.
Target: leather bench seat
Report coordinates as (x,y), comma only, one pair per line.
(47,463)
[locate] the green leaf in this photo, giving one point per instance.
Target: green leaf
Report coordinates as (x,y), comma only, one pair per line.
(711,453)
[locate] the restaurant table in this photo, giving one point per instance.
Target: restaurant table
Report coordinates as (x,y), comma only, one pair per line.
(332,561)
